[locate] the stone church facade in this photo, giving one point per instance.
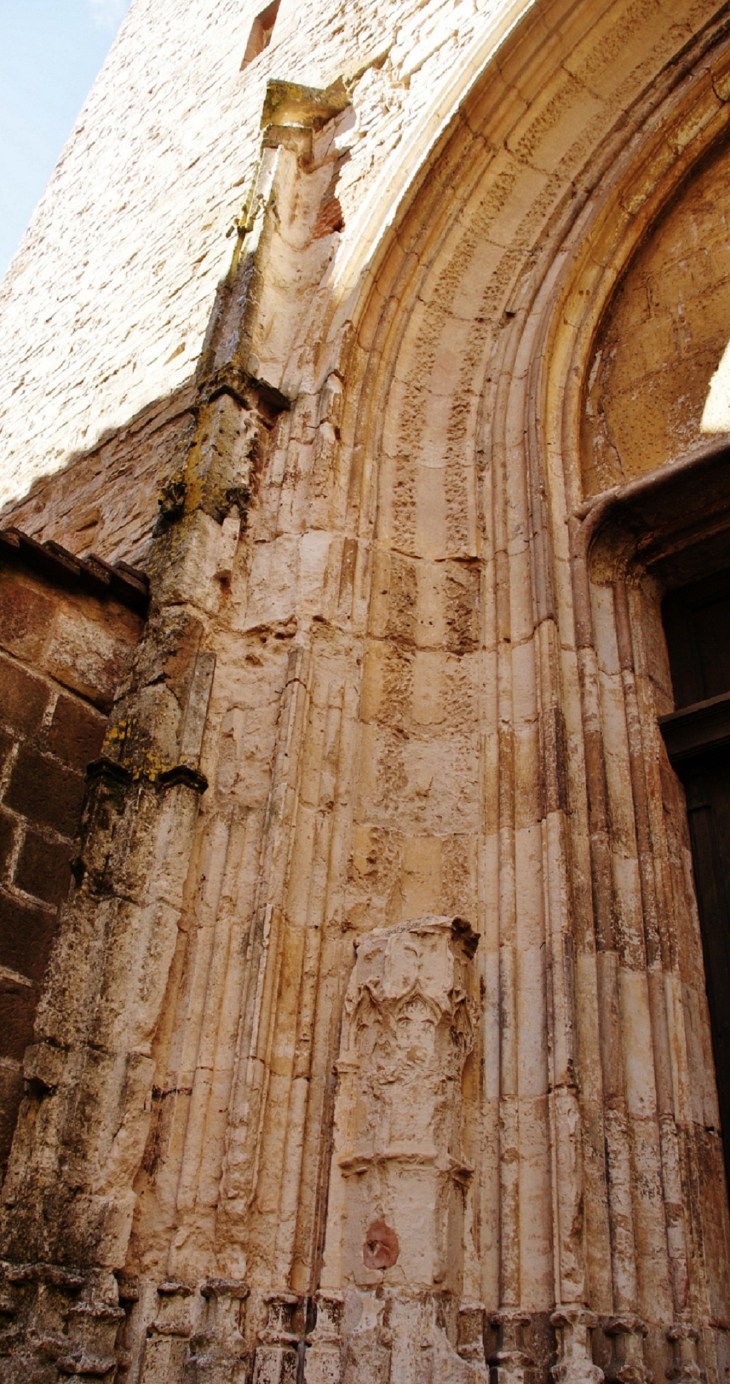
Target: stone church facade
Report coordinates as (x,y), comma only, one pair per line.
(365,703)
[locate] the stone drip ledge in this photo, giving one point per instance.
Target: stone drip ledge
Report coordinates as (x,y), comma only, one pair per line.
(92,575)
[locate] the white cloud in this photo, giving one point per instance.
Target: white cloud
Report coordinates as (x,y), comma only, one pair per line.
(108,13)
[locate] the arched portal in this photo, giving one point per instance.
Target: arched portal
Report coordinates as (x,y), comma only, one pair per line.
(480,744)
(438,929)
(543,826)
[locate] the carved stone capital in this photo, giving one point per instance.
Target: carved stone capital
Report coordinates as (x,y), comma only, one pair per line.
(575,1365)
(323,1361)
(471,1332)
(627,1333)
(277,1355)
(511,1359)
(683,1338)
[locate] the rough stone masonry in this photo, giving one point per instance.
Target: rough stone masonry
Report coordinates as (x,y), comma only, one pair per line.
(364,405)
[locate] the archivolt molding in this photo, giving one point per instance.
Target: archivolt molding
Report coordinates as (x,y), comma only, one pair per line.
(401,181)
(562,275)
(659,136)
(587,241)
(369,238)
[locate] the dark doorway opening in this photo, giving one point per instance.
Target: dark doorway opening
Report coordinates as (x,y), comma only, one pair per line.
(697,735)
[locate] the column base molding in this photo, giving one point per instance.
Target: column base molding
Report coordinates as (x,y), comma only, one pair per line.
(59,1323)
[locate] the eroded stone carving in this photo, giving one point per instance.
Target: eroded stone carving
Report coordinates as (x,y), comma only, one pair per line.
(277,1354)
(399,1174)
(325,1345)
(683,1338)
(575,1365)
(510,1361)
(627,1332)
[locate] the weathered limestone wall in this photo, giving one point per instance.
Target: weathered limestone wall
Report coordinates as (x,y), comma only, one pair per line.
(106,305)
(106,500)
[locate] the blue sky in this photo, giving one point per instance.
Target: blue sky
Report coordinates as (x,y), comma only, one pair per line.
(50,53)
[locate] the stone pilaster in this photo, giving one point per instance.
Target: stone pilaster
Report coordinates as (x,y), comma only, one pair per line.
(409,1027)
(396,1224)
